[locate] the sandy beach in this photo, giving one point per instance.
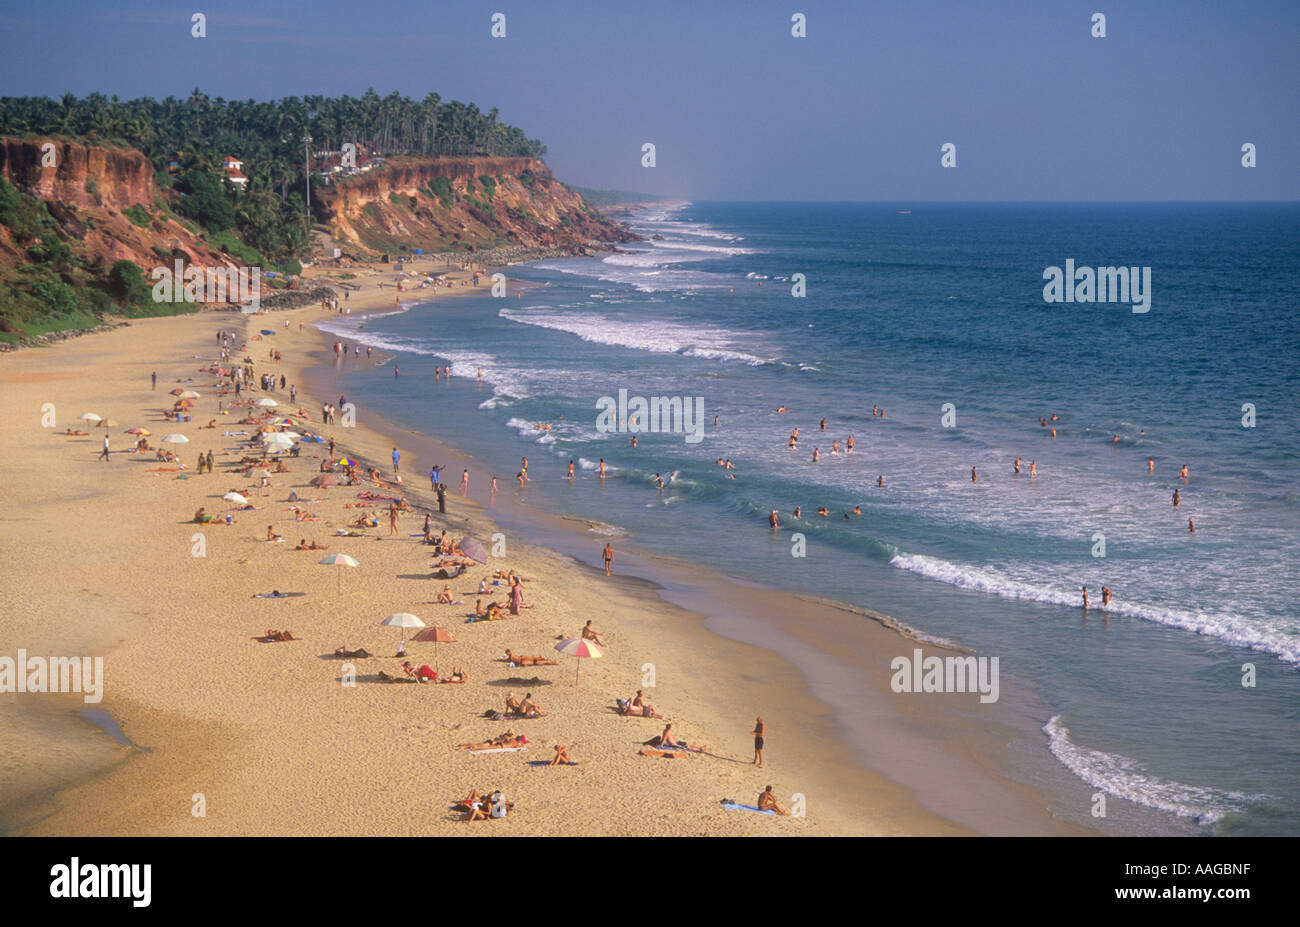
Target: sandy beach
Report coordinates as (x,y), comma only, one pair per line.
(265,738)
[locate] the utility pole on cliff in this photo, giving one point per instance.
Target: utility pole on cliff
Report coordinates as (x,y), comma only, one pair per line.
(306,165)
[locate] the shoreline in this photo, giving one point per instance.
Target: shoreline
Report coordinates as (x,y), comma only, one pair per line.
(225,742)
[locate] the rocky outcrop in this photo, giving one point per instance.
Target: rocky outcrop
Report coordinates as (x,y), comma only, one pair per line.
(446,204)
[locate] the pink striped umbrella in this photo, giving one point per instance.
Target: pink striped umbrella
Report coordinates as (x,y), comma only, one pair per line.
(581,648)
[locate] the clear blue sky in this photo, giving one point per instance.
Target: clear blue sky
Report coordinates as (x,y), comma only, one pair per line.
(737,108)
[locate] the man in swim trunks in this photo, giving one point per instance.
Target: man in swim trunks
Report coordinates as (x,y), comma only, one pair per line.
(773,520)
(767,802)
(758,730)
(609,558)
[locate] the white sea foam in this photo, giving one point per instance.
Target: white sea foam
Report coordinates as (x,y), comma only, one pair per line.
(658,337)
(1231,629)
(1125,778)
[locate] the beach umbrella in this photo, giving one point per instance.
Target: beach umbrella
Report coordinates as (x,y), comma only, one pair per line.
(437,635)
(280,441)
(89,417)
(176,439)
(187,394)
(139,431)
(342,560)
(473,549)
(402,620)
(235,498)
(108,423)
(325,479)
(345,462)
(291,435)
(581,648)
(266,403)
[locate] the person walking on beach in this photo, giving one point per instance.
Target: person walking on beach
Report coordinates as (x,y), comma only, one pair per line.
(103,455)
(758,730)
(396,458)
(608,553)
(209,461)
(464,481)
(392,519)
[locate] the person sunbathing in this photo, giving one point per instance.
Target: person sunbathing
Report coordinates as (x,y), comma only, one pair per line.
(457,675)
(496,611)
(76,434)
(507,740)
(352,654)
(530,709)
(271,636)
(202,517)
(364,521)
(767,802)
(561,757)
(591,634)
(271,535)
(666,739)
(280,467)
(303,545)
(517,660)
(212,423)
(637,708)
(403,505)
(512,705)
(445,597)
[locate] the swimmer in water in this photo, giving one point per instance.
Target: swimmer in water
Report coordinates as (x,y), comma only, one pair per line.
(1033,468)
(602,468)
(882,413)
(773,520)
(823,424)
(659,481)
(823,511)
(1053,434)
(1177,500)
(1190,525)
(974,477)
(835,448)
(880,480)
(848,445)
(1053,416)
(817,454)
(633,441)
(1106,595)
(1085,598)
(571,470)
(1016,466)
(798,511)
(1183,474)
(715,421)
(1151,465)
(857,510)
(875,410)
(1114,439)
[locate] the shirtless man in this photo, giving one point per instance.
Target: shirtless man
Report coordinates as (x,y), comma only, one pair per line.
(1016,466)
(758,731)
(798,511)
(1177,500)
(271,535)
(444,597)
(773,520)
(591,634)
(974,477)
(1085,598)
(767,802)
(1151,466)
(570,471)
(530,709)
(666,739)
(823,423)
(1183,474)
(1033,468)
(561,756)
(1106,595)
(609,558)
(848,445)
(1190,525)
(817,454)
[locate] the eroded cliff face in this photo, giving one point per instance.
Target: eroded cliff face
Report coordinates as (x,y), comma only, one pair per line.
(444,204)
(85,190)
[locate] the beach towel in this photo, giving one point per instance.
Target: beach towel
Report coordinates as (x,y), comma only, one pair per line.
(501,750)
(736,806)
(277,595)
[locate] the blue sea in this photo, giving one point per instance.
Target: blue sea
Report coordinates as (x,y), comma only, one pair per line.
(936,313)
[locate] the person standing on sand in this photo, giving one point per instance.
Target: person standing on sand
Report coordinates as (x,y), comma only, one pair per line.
(758,730)
(442,499)
(434,472)
(608,553)
(396,457)
(103,455)
(392,518)
(155,379)
(464,481)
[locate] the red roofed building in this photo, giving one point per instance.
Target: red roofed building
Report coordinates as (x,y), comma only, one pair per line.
(232,169)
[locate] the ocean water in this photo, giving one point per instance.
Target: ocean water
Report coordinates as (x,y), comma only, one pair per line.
(922,309)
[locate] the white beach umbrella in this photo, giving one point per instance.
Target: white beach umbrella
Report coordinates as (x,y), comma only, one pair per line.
(89,417)
(187,394)
(404,620)
(176,439)
(266,403)
(280,441)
